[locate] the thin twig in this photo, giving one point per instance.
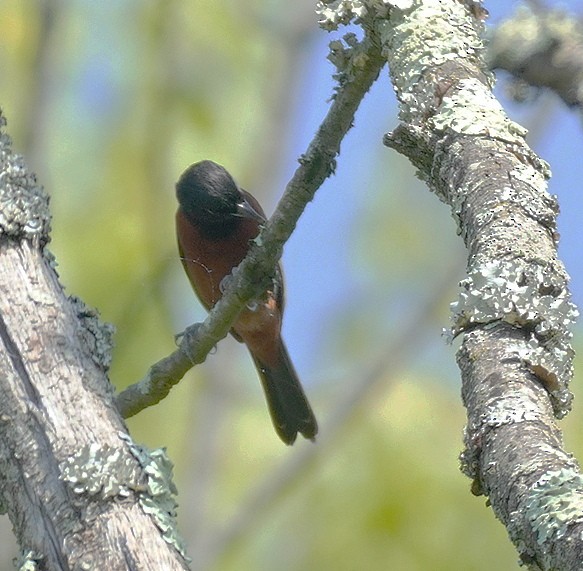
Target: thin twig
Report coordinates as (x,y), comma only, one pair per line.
(315,166)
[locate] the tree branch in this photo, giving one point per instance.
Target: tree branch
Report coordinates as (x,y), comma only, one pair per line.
(541,48)
(514,310)
(359,69)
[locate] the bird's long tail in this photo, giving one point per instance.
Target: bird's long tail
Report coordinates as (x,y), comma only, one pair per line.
(288,406)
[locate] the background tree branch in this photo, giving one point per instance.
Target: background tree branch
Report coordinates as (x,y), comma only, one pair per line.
(541,47)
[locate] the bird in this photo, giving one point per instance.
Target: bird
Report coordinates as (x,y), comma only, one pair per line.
(216,222)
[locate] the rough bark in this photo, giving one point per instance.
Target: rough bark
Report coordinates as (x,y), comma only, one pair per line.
(78,492)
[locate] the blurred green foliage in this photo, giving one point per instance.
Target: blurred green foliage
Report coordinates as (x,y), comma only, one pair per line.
(109,101)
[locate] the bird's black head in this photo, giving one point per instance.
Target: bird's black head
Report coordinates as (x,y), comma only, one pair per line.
(209,198)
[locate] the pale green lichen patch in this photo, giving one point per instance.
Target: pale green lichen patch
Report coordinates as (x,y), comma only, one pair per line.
(554,504)
(24,205)
(336,13)
(534,299)
(538,204)
(511,292)
(158,498)
(401,4)
(102,470)
(111,473)
(519,295)
(435,33)
(471,109)
(535,177)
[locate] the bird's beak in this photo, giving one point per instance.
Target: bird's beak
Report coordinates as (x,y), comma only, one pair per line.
(245,210)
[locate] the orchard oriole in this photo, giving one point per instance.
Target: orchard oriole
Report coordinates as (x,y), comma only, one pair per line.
(215,222)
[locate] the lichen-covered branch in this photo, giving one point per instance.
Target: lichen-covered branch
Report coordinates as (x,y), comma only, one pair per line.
(541,48)
(514,308)
(359,64)
(79,493)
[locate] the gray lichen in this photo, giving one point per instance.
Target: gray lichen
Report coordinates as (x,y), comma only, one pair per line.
(24,205)
(349,54)
(340,51)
